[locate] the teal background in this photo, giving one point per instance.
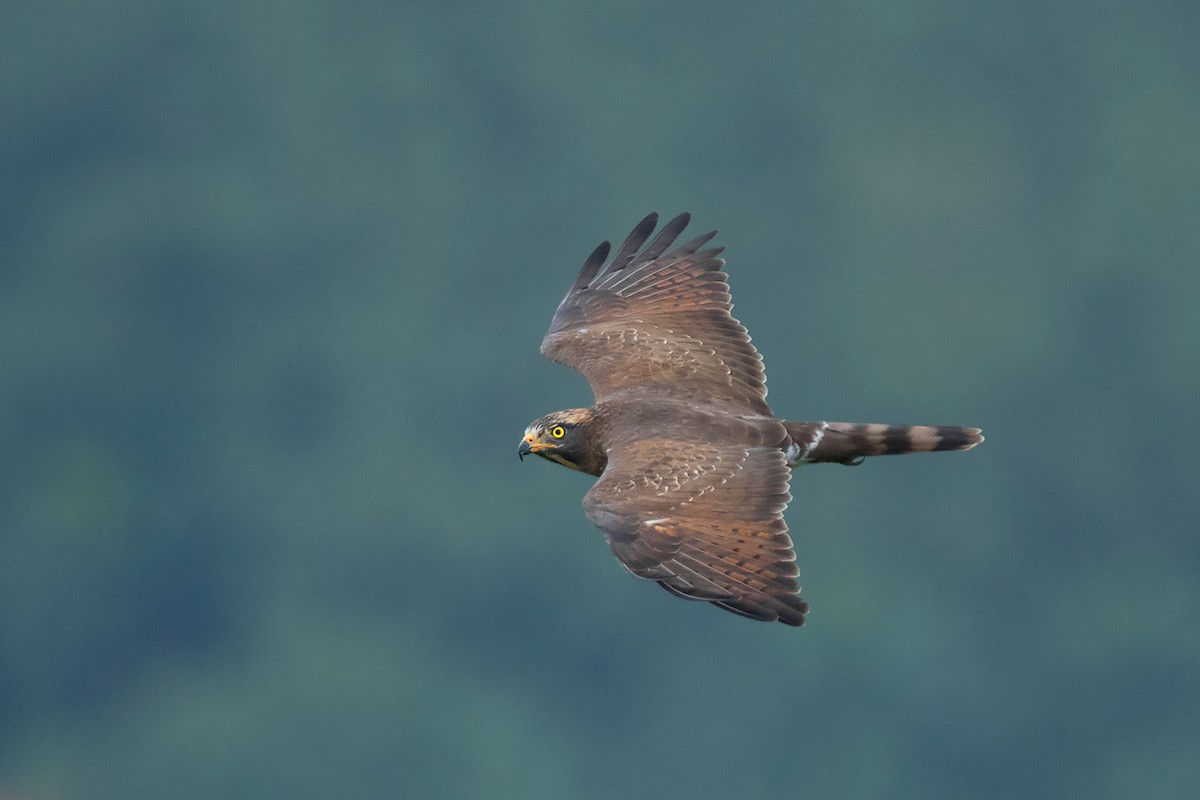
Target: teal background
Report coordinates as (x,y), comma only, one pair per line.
(272,282)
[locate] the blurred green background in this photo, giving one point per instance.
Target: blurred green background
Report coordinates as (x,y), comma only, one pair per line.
(272,282)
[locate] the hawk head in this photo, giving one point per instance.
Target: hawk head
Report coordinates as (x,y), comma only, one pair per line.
(570,438)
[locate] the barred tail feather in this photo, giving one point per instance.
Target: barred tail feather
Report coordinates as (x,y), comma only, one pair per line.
(850,442)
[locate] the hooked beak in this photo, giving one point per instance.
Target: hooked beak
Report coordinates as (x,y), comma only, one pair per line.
(524,449)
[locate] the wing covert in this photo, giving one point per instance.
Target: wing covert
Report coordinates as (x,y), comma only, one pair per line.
(705,521)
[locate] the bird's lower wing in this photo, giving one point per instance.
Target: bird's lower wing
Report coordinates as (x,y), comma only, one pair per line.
(705,521)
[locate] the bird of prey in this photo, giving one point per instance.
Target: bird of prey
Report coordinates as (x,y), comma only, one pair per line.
(693,465)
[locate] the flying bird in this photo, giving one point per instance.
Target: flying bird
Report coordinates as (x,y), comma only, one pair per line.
(693,465)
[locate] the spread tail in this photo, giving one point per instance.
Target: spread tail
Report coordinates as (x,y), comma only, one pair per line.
(851,442)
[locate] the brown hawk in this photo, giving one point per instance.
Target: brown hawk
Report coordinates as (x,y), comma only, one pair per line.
(693,464)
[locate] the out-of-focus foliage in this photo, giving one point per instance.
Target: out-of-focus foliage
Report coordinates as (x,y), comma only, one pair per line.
(272,281)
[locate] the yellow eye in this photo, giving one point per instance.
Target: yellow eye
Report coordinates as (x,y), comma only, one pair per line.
(558,431)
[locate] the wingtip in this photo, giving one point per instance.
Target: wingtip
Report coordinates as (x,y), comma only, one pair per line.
(637,237)
(592,265)
(796,614)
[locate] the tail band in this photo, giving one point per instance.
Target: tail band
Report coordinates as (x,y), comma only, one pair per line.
(850,442)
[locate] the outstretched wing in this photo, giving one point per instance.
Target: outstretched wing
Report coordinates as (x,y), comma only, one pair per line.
(659,321)
(704,520)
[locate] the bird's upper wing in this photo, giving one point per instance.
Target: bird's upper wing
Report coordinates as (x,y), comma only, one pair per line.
(658,321)
(705,520)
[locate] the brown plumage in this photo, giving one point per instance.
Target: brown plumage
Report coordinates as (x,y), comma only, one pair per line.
(693,466)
